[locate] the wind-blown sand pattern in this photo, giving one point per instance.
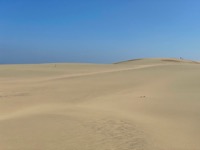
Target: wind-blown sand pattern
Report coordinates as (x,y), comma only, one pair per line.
(144,104)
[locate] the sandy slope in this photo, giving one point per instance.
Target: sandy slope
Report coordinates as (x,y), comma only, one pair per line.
(147,104)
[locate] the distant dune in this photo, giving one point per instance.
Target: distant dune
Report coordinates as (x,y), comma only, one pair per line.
(143,104)
(156,60)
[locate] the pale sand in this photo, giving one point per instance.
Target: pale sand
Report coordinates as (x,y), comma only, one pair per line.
(147,104)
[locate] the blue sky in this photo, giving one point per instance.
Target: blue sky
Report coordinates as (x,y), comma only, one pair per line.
(98,31)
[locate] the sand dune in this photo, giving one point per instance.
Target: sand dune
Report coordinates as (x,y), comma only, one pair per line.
(144,104)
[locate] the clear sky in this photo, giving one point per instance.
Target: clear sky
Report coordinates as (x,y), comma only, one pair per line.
(98,31)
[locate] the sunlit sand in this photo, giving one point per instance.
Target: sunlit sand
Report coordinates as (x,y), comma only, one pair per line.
(144,104)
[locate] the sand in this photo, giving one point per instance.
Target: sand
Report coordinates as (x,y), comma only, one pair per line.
(144,104)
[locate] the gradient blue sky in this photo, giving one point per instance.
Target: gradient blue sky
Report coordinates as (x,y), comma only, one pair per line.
(98,31)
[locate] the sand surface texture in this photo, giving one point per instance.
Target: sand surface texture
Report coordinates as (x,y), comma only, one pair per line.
(144,104)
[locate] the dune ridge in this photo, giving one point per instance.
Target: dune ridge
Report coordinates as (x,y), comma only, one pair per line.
(143,104)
